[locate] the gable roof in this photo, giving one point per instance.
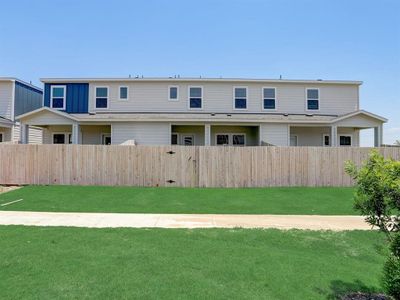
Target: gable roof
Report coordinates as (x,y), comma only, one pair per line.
(45,108)
(360,112)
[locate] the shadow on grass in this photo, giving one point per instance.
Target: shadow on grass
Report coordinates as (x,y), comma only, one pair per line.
(339,288)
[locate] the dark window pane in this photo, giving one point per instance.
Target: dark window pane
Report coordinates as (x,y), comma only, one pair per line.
(195,102)
(101,102)
(240,93)
(312,94)
(312,104)
(123,93)
(174,139)
(1,137)
(238,139)
(58,102)
(345,140)
(59,138)
(58,92)
(173,93)
(222,139)
(195,92)
(269,93)
(326,140)
(101,92)
(240,103)
(269,103)
(188,141)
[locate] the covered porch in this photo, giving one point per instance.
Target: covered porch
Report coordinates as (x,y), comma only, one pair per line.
(62,128)
(5,130)
(215,135)
(342,131)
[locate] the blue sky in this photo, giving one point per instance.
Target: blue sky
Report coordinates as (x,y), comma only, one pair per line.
(356,40)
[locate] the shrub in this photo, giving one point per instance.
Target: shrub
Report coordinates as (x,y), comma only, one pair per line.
(378,198)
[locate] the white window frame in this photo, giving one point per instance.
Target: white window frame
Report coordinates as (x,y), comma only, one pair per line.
(192,135)
(202,97)
(262,98)
(344,135)
(2,137)
(177,138)
(66,137)
(103,136)
(95,97)
(323,140)
(230,138)
(64,96)
(247,97)
(177,94)
(319,99)
(119,93)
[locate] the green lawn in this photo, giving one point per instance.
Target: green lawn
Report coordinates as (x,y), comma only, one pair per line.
(76,263)
(323,201)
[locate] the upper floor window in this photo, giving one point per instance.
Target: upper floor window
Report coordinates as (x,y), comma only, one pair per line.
(312,99)
(101,97)
(269,98)
(123,93)
(173,93)
(57,95)
(240,98)
(195,97)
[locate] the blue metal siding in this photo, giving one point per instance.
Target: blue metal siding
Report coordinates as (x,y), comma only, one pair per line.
(77,97)
(26,98)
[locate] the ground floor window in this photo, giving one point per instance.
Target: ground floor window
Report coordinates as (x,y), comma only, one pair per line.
(326,140)
(293,140)
(1,137)
(62,138)
(188,140)
(345,140)
(106,139)
(232,139)
(174,139)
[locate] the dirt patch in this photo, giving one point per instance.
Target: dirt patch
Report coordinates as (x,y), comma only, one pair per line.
(5,189)
(365,296)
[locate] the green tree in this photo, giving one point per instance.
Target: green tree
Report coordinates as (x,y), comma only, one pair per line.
(378,198)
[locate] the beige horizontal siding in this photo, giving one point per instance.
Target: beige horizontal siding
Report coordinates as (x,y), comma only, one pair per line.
(6,99)
(218,97)
(141,133)
(274,134)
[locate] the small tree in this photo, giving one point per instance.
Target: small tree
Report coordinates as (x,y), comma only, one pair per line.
(378,198)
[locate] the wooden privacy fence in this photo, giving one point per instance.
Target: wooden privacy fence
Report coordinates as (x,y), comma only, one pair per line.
(195,166)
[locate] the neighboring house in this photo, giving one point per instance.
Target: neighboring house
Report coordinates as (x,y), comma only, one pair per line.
(189,111)
(18,97)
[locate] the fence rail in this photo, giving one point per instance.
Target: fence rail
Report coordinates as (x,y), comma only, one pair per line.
(195,166)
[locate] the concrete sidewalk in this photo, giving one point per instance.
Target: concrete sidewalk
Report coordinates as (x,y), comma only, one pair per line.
(114,220)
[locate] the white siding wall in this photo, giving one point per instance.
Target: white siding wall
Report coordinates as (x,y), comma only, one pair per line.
(275,134)
(6,97)
(142,133)
(310,136)
(218,97)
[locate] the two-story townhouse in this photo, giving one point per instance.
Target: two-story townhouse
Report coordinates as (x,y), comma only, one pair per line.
(18,97)
(200,111)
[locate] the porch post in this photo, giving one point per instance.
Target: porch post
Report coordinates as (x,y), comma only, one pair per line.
(333,136)
(207,134)
(378,135)
(24,133)
(75,133)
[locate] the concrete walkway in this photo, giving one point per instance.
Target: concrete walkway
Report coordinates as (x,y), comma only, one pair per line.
(104,220)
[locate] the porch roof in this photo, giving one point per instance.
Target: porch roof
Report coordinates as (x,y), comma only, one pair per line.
(203,117)
(4,122)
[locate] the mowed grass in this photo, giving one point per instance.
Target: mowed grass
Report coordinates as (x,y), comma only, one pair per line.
(301,200)
(82,263)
